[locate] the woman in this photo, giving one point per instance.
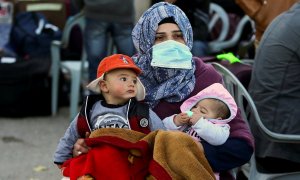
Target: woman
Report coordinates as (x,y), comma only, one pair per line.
(164,32)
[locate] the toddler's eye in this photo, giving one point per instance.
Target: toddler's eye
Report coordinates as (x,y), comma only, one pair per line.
(123,79)
(134,81)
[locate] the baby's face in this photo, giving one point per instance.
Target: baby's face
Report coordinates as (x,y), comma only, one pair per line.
(205,108)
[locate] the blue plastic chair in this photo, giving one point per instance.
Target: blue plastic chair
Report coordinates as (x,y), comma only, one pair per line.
(217,13)
(248,109)
(218,46)
(74,67)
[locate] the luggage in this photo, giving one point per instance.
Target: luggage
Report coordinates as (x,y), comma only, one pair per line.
(25,88)
(25,85)
(32,34)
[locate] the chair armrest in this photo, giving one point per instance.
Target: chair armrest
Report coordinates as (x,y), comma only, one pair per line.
(55,56)
(217,46)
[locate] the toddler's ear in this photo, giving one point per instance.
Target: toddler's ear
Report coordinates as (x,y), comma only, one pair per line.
(103,86)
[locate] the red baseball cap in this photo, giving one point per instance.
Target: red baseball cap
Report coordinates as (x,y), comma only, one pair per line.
(117,61)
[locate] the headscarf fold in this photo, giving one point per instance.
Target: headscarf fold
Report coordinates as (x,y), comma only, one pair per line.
(172,85)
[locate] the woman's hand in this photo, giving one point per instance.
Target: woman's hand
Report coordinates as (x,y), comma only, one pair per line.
(80,146)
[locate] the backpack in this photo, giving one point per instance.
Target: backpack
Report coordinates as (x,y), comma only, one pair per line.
(31,35)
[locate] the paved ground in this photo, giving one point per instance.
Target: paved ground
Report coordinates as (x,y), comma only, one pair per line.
(27,146)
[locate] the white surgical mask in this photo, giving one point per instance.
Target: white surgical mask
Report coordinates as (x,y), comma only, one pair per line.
(171,54)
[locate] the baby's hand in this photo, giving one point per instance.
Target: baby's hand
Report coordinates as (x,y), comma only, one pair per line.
(195,118)
(181,119)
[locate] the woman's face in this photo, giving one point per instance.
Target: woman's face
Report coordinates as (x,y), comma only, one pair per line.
(168,31)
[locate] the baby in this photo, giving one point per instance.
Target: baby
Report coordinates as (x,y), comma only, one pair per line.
(205,116)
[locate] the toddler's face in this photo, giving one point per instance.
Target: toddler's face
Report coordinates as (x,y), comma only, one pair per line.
(121,85)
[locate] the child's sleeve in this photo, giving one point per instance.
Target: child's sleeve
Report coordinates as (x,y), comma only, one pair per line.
(214,134)
(169,123)
(155,121)
(64,148)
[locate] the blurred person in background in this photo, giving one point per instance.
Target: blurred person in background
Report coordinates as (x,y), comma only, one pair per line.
(275,89)
(262,12)
(105,18)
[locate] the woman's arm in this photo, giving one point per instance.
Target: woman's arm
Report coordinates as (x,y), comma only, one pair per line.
(233,153)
